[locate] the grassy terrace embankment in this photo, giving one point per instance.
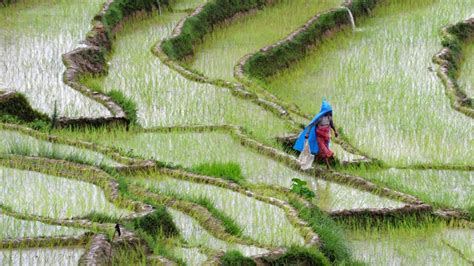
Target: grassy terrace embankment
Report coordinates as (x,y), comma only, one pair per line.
(164,97)
(220,50)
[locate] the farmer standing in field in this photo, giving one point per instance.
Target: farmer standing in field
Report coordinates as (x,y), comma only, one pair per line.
(317,136)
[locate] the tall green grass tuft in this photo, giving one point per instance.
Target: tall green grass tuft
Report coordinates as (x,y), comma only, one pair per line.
(297,255)
(230,171)
(229,224)
(334,245)
(128,105)
(157,223)
(235,258)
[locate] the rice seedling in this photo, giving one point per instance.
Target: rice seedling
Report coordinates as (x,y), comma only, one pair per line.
(34,36)
(41,256)
(409,244)
(186,5)
(226,44)
(442,187)
(195,235)
(378,81)
(163,96)
(461,240)
(51,196)
(11,227)
(20,144)
(260,221)
(466,79)
(216,147)
(191,256)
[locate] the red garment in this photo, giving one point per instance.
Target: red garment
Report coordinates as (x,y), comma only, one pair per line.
(323,136)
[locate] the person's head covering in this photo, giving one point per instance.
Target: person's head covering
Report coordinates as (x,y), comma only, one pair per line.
(313,145)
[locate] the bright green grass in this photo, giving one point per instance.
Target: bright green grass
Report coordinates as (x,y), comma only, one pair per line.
(466,77)
(29,192)
(260,221)
(34,35)
(410,246)
(41,256)
(462,240)
(163,96)
(446,188)
(383,95)
(225,45)
(195,235)
(193,149)
(19,144)
(11,227)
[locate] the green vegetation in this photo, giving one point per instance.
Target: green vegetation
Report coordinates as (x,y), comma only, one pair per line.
(220,185)
(466,79)
(443,188)
(157,223)
(332,237)
(34,42)
(222,48)
(390,105)
(193,30)
(230,171)
(300,256)
(235,258)
(162,96)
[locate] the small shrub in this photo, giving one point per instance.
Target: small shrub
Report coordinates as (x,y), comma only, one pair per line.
(299,187)
(157,222)
(229,171)
(300,256)
(235,258)
(99,217)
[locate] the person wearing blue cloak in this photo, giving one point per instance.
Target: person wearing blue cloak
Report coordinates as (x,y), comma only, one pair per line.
(318,134)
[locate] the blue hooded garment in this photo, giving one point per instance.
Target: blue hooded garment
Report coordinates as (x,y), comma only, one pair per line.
(313,144)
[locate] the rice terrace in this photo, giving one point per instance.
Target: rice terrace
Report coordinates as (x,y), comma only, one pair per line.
(237,132)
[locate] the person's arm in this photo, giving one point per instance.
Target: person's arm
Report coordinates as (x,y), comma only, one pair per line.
(331,123)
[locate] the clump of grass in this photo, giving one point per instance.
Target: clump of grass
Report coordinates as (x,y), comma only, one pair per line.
(334,244)
(230,225)
(100,217)
(230,171)
(157,223)
(128,105)
(297,255)
(235,258)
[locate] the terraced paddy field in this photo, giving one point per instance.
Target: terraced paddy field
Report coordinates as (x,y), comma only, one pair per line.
(31,45)
(222,49)
(199,169)
(163,96)
(388,102)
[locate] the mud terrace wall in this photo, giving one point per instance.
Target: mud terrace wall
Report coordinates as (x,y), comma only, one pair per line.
(190,31)
(90,60)
(448,60)
(280,55)
(15,104)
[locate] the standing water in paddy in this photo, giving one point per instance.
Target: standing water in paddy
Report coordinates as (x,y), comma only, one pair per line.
(391,107)
(33,36)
